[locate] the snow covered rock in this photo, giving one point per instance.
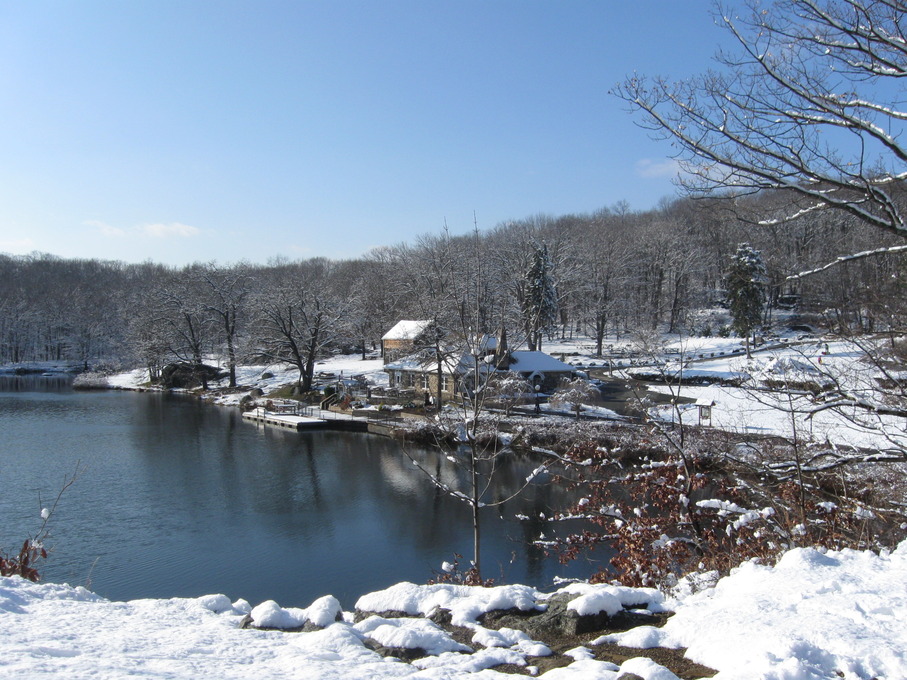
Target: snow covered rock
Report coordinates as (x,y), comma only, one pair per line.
(271,616)
(216,603)
(644,669)
(465,603)
(583,607)
(406,638)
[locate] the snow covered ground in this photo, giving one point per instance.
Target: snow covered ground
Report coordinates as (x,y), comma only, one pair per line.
(814,616)
(756,411)
(252,377)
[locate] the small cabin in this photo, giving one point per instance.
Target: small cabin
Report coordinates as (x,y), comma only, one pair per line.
(399,341)
(542,371)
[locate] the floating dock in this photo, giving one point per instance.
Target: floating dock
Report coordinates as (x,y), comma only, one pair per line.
(291,422)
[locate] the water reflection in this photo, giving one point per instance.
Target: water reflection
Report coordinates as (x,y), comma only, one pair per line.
(181,498)
(32,382)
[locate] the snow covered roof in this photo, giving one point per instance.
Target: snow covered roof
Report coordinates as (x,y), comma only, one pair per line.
(524,360)
(709,396)
(406,330)
(487,343)
(521,362)
(416,362)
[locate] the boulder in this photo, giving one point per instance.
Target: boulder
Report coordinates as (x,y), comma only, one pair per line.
(558,620)
(184,375)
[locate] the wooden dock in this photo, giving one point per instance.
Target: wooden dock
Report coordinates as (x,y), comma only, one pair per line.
(291,422)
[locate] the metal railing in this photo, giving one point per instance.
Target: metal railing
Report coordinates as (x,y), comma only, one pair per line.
(378,417)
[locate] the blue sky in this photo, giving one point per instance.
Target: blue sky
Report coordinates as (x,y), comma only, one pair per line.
(192,130)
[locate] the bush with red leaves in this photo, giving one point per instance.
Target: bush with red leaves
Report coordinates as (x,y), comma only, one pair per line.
(23,563)
(682,512)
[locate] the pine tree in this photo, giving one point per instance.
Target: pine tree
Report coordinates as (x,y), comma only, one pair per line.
(540,297)
(745,293)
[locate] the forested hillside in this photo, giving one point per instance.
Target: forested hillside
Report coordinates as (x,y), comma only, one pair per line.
(615,272)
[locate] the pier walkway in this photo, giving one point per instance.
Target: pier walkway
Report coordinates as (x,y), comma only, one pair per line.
(300,417)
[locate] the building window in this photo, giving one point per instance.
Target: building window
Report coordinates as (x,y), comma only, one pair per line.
(425,384)
(398,379)
(445,383)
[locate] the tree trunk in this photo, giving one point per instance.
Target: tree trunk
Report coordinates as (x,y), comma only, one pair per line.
(476,525)
(231,360)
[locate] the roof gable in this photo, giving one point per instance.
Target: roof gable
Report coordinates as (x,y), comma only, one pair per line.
(406,330)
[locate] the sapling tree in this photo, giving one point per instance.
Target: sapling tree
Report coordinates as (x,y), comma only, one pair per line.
(478,453)
(574,393)
(507,389)
(33,550)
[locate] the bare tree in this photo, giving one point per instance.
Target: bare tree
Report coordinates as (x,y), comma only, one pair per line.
(370,300)
(507,390)
(188,324)
(809,103)
(298,316)
(225,292)
(432,279)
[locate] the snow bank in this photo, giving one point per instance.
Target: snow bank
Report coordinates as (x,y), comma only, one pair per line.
(814,616)
(52,631)
(836,614)
(509,637)
(591,669)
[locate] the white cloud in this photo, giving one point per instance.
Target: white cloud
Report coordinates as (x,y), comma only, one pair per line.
(161,230)
(648,168)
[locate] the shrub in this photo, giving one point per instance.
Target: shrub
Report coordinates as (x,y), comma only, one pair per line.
(676,514)
(23,563)
(33,550)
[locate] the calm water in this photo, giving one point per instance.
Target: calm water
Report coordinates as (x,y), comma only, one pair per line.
(177,498)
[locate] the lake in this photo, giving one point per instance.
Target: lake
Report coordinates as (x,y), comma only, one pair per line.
(179,498)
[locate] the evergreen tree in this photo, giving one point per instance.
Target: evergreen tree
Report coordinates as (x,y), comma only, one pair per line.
(539,306)
(745,293)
